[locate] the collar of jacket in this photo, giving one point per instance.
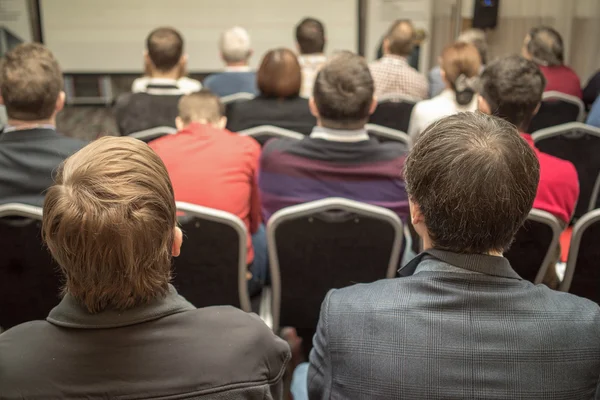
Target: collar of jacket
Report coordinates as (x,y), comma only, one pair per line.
(70,314)
(482,263)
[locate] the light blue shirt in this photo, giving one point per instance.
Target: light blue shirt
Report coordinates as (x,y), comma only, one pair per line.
(594,115)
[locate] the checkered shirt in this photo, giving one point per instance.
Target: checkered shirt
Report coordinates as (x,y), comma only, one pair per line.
(393,75)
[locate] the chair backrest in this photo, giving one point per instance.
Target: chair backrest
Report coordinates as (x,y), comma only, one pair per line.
(136,112)
(535,245)
(263,133)
(388,134)
(595,194)
(557,108)
(393,111)
(237,97)
(582,276)
(30,279)
(326,244)
(211,269)
(149,135)
(580,144)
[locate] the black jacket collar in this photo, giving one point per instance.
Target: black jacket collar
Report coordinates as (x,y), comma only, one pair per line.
(482,263)
(70,314)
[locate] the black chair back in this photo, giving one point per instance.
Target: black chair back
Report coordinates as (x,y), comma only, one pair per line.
(579,144)
(556,109)
(535,246)
(322,245)
(262,134)
(151,134)
(212,259)
(393,113)
(136,112)
(582,276)
(229,101)
(30,280)
(383,134)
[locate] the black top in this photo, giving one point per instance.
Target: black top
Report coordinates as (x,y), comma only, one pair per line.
(28,160)
(592,90)
(291,113)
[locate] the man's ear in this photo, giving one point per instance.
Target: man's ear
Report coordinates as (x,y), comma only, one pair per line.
(416,216)
(483,106)
(385,46)
(537,108)
(313,107)
(373,105)
(177,241)
(1,99)
(179,123)
(222,123)
(60,102)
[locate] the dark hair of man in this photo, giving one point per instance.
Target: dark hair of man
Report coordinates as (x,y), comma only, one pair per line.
(401,37)
(165,47)
(546,46)
(30,82)
(279,74)
(310,35)
(343,92)
(474,179)
(513,88)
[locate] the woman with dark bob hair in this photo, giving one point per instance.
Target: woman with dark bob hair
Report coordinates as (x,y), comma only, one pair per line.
(279,79)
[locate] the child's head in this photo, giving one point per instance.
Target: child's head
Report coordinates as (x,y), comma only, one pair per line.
(204,107)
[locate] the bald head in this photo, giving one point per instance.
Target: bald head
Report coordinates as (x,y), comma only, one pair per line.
(400,38)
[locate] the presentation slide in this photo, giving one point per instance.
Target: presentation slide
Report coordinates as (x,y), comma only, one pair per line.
(108,36)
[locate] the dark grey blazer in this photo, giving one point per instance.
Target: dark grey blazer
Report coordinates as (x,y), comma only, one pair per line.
(456,327)
(164,350)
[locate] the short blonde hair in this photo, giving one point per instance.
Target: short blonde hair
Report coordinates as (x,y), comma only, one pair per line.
(235,45)
(204,106)
(109,223)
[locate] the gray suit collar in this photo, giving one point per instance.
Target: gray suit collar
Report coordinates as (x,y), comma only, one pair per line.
(70,314)
(482,263)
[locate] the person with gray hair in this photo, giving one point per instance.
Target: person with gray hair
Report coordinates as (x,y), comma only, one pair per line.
(476,37)
(235,49)
(544,46)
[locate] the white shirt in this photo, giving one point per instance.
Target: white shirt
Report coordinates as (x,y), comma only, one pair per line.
(185,85)
(310,64)
(427,112)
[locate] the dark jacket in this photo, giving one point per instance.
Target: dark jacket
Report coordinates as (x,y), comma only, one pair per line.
(291,113)
(28,160)
(164,350)
(592,90)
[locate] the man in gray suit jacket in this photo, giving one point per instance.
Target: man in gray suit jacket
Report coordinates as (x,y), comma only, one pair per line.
(460,323)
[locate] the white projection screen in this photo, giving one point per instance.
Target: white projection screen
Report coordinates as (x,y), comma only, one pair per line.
(107,36)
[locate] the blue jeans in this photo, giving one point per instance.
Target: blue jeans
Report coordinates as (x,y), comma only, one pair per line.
(260,265)
(299,387)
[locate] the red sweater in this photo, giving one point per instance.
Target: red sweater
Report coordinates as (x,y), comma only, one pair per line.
(562,79)
(559,186)
(214,168)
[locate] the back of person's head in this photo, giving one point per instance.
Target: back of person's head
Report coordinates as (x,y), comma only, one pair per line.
(511,88)
(279,74)
(310,35)
(165,48)
(544,45)
(109,221)
(471,180)
(235,45)
(31,83)
(400,39)
(460,63)
(343,92)
(477,38)
(204,107)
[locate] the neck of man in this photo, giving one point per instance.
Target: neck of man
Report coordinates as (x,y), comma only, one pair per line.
(18,124)
(428,244)
(237,64)
(171,74)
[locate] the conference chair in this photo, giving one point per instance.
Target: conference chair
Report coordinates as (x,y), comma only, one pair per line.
(580,144)
(393,111)
(557,108)
(262,134)
(212,268)
(30,280)
(136,112)
(228,101)
(582,275)
(148,135)
(595,193)
(384,134)
(536,246)
(326,244)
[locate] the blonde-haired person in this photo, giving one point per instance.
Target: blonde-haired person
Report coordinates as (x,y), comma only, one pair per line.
(460,66)
(121,330)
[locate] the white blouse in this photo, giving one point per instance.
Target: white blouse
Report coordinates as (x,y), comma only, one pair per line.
(427,112)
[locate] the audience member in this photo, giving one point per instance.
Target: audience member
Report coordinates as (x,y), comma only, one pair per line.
(121,330)
(475,37)
(338,159)
(279,79)
(310,38)
(156,104)
(459,322)
(238,77)
(31,86)
(511,88)
(594,115)
(392,74)
(544,46)
(460,65)
(592,90)
(215,168)
(165,64)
